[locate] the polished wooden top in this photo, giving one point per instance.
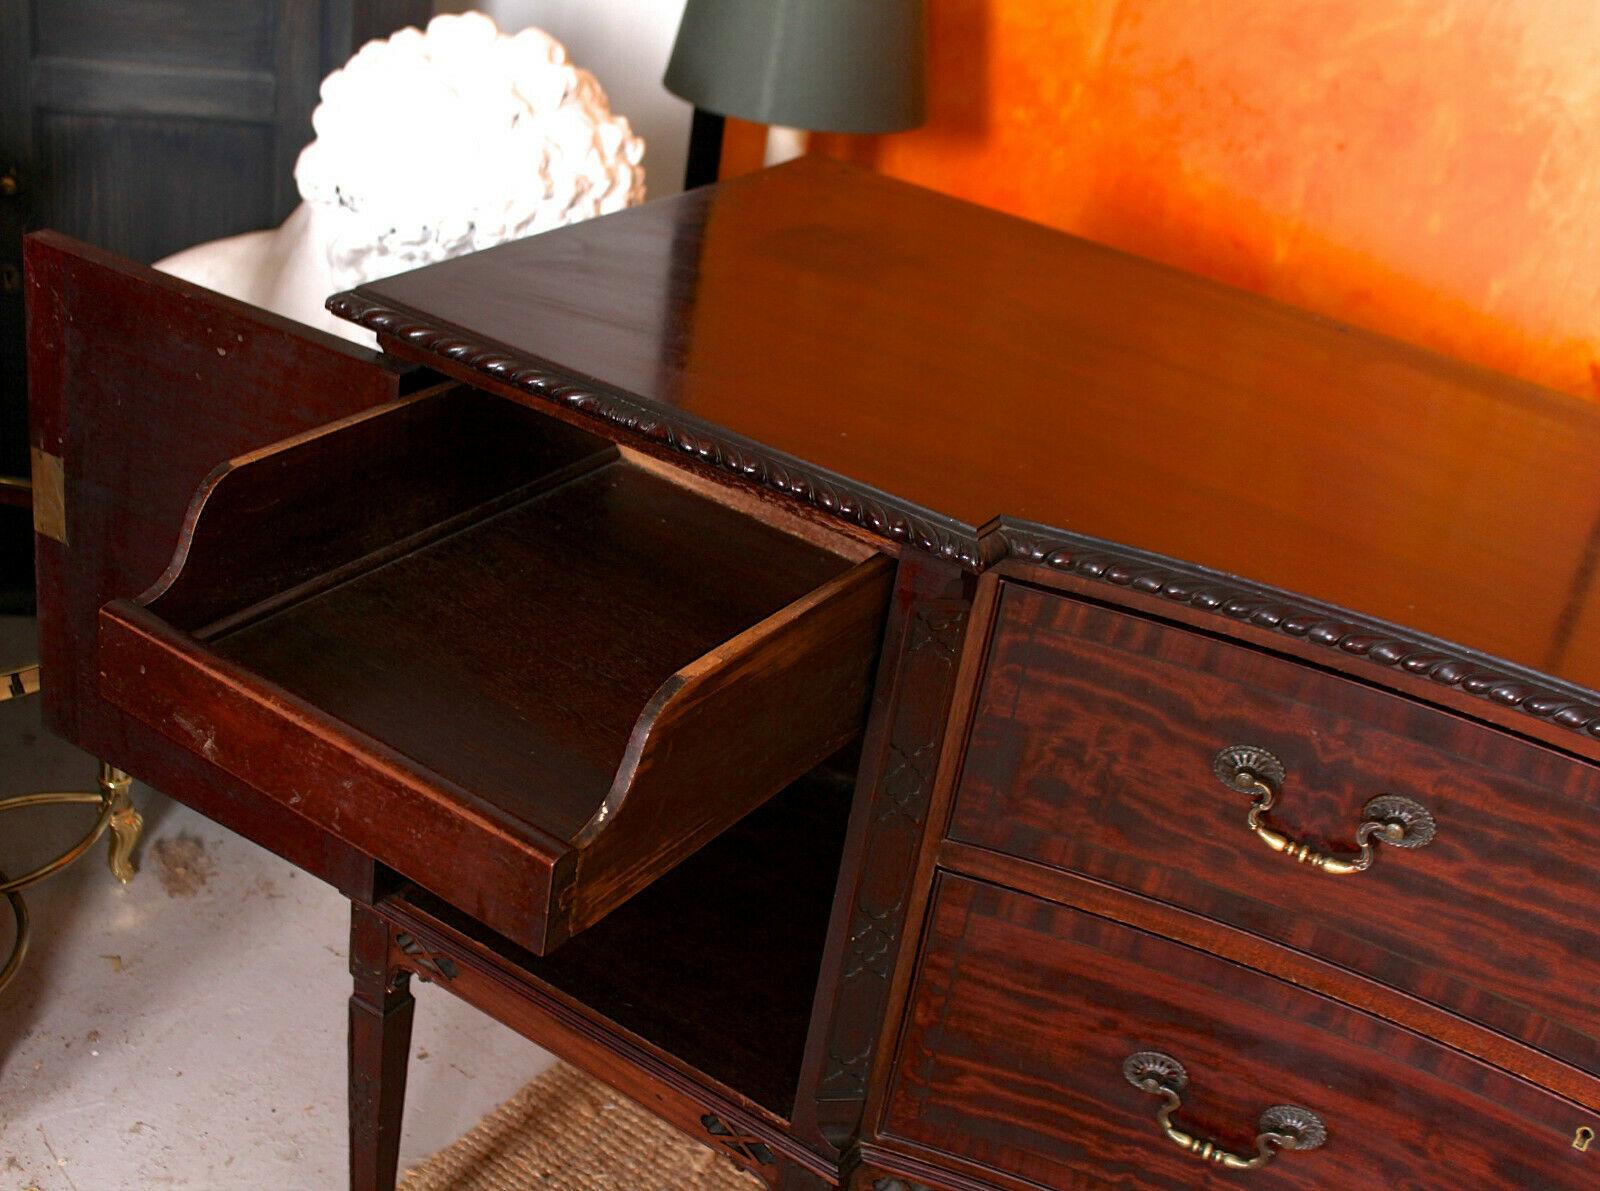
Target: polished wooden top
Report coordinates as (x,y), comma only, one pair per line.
(980,368)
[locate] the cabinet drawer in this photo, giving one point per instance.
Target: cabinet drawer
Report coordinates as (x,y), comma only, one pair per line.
(483,648)
(1024,1014)
(1094,747)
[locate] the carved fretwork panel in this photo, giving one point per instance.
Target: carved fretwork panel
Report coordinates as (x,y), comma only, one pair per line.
(896,783)
(900,805)
(744,1148)
(429,966)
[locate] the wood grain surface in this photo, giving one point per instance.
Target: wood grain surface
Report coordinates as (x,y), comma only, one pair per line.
(1023,1013)
(925,365)
(1092,747)
(730,729)
(541,632)
(273,526)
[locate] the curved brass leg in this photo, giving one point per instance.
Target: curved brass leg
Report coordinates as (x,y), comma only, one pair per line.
(115,812)
(126,822)
(19,943)
(56,864)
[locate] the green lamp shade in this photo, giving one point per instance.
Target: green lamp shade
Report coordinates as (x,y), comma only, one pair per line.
(822,65)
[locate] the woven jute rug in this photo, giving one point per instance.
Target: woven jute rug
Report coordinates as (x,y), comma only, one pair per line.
(567,1132)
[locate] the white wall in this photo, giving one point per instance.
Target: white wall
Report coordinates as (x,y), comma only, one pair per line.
(625,43)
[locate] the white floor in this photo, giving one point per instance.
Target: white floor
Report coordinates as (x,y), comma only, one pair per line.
(187,1030)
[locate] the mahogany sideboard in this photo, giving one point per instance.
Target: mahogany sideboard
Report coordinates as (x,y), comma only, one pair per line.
(917,700)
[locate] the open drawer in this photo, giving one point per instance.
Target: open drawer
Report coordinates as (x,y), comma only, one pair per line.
(528,671)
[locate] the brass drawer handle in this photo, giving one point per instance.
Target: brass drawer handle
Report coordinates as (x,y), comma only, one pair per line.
(1281,1127)
(1389,818)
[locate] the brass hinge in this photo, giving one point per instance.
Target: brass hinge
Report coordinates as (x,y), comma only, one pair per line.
(49,495)
(14,684)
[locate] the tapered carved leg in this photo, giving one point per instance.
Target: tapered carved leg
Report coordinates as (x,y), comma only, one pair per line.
(125,823)
(380,1044)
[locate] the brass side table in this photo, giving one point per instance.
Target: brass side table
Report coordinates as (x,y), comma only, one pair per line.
(115,812)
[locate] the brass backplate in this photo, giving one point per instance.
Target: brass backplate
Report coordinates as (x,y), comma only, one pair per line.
(49,495)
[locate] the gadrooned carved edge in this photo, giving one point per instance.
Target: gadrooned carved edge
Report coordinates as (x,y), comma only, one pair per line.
(746,1148)
(1371,640)
(873,512)
(426,964)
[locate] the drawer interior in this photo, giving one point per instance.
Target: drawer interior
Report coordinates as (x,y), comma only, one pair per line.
(515,655)
(560,643)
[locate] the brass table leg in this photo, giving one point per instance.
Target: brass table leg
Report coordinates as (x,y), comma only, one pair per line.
(126,822)
(115,811)
(19,945)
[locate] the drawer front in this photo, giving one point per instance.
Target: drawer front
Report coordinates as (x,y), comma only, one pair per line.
(1093,747)
(1024,1014)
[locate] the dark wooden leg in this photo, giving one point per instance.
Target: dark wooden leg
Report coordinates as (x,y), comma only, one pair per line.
(380,1044)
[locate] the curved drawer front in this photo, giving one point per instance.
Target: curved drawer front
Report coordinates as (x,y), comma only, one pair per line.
(1095,748)
(1024,1015)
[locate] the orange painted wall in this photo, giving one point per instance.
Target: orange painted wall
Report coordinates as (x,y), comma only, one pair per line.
(1427,168)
